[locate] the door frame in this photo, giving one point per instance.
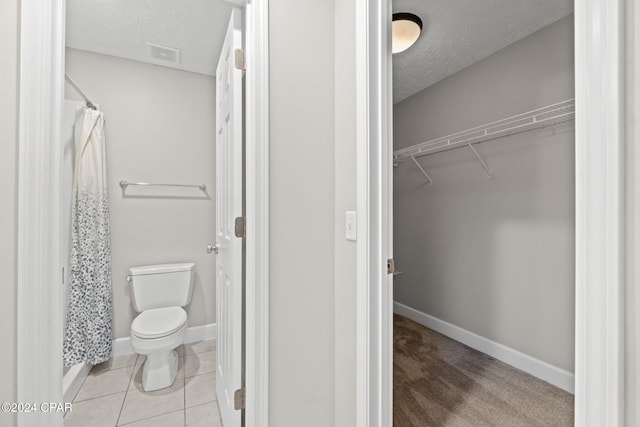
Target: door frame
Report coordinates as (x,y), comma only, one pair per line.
(39,303)
(374,291)
(599,74)
(257,213)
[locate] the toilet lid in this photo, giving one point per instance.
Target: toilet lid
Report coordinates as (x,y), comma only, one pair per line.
(158,322)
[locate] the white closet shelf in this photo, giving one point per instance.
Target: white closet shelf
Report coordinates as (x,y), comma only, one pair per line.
(538,118)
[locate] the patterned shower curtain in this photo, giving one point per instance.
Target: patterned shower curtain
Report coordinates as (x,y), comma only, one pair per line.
(88,328)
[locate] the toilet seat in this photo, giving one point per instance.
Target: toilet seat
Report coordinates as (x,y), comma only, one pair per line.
(158,322)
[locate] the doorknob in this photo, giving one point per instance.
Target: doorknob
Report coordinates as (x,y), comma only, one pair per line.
(213,247)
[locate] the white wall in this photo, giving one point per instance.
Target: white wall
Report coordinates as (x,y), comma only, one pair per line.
(345,200)
(493,256)
(9,51)
(302,216)
(160,127)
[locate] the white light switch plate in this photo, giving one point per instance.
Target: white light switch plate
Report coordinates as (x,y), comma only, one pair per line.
(351,225)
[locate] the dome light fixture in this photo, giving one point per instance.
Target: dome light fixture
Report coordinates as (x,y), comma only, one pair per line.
(405,31)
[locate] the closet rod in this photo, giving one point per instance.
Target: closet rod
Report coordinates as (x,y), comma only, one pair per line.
(75,87)
(541,117)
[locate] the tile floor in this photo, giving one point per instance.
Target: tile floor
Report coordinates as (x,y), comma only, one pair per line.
(112,394)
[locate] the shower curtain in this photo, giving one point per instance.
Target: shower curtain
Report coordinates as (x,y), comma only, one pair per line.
(88,328)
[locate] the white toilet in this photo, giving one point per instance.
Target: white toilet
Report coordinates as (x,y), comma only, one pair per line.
(159,292)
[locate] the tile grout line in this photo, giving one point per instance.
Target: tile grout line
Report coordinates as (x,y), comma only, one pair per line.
(148,418)
(126,392)
(99,397)
(80,389)
(75,400)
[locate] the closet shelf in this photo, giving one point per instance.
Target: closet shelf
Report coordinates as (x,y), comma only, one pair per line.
(538,118)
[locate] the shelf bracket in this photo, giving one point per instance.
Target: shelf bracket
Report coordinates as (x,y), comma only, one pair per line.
(484,165)
(430,181)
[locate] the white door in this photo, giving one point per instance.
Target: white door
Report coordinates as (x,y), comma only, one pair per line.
(229,183)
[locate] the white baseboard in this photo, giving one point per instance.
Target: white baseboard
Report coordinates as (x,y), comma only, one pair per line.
(73,380)
(539,369)
(201,333)
(122,346)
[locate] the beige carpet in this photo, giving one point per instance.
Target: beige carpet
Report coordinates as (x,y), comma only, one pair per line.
(440,382)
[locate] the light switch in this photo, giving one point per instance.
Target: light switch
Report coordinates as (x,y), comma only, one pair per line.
(351,225)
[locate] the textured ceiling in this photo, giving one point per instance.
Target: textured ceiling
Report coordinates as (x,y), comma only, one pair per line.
(457,33)
(122,28)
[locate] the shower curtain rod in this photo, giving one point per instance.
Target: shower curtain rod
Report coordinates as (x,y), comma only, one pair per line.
(77,89)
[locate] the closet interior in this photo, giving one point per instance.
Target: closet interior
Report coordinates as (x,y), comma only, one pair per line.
(484,220)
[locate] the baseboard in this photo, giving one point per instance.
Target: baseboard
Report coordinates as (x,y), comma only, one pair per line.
(122,346)
(73,380)
(539,369)
(201,333)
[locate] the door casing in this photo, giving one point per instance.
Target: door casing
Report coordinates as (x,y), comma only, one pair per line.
(599,76)
(39,305)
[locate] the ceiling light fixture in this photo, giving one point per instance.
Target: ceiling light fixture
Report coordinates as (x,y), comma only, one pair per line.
(405,29)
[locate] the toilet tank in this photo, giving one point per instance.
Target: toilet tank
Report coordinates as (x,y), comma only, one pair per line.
(162,285)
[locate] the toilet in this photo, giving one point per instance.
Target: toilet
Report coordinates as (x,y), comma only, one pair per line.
(159,292)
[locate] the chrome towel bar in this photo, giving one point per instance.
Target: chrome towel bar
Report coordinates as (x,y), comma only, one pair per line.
(125,184)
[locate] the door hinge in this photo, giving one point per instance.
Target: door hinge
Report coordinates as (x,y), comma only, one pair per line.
(239,399)
(239,61)
(241,227)
(391,268)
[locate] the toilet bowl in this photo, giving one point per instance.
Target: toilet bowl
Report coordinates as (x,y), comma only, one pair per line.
(156,333)
(159,293)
